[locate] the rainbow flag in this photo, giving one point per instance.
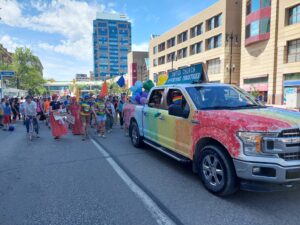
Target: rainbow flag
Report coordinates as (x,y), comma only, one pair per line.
(177,99)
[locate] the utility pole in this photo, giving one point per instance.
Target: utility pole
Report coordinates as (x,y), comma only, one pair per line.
(229,39)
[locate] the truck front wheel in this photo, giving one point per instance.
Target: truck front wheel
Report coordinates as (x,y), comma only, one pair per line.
(217,171)
(135,136)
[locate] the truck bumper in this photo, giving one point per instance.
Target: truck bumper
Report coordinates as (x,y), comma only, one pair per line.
(259,176)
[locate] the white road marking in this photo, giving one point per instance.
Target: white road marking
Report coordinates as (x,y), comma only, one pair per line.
(160,217)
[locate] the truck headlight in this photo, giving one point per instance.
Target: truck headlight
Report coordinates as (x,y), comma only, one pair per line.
(253,142)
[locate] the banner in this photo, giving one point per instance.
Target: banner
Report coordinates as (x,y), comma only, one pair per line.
(186,75)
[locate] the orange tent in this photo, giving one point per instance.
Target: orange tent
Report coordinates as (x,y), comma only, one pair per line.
(104,90)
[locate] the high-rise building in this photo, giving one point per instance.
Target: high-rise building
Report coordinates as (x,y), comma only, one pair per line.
(112,43)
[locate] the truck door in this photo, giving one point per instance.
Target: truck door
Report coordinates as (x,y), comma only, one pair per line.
(153,115)
(178,128)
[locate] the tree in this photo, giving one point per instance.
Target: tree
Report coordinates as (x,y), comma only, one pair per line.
(28,73)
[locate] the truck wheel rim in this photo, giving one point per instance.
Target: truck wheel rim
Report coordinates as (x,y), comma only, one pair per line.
(134,135)
(213,171)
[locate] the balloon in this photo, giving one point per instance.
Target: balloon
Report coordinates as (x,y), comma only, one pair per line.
(148,85)
(138,98)
(145,95)
(138,84)
(139,91)
(133,89)
(143,100)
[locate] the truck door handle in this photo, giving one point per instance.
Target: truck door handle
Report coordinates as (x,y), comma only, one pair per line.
(157,114)
(161,118)
(196,122)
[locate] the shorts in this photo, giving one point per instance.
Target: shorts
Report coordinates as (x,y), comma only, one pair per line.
(101,118)
(85,119)
(6,119)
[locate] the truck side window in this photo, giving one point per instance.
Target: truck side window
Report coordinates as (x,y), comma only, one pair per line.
(156,99)
(175,97)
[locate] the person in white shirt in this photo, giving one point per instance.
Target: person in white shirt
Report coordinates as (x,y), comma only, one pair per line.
(30,112)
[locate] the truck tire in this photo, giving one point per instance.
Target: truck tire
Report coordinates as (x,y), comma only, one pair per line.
(135,136)
(217,172)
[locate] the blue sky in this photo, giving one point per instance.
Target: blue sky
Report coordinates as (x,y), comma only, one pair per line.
(60,31)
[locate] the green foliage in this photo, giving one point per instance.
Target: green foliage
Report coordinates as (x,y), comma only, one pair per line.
(254,92)
(28,73)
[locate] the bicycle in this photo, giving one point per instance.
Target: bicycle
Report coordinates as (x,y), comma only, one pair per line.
(33,127)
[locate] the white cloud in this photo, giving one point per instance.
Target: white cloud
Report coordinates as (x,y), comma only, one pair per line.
(72,19)
(141,47)
(11,43)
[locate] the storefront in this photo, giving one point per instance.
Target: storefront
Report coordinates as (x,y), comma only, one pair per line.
(291,87)
(258,85)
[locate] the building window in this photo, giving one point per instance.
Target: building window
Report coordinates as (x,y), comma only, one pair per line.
(196,30)
(155,62)
(214,42)
(214,22)
(257,80)
(182,37)
(294,14)
(171,42)
(214,66)
(161,47)
(182,53)
(161,60)
(196,48)
(258,27)
(255,5)
(171,57)
(155,49)
(294,51)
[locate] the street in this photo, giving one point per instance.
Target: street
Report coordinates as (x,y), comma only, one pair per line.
(72,182)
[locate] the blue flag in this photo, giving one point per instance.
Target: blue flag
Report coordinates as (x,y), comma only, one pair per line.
(121,81)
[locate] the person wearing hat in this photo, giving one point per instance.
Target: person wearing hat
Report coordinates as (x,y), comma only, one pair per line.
(59,128)
(85,115)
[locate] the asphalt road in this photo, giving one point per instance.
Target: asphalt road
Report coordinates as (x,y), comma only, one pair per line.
(75,182)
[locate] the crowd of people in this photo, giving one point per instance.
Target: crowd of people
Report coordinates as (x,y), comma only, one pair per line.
(87,112)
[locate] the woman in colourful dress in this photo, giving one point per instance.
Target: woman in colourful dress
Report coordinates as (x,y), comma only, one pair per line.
(75,111)
(59,127)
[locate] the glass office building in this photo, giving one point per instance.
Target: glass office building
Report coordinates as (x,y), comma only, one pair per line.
(112,43)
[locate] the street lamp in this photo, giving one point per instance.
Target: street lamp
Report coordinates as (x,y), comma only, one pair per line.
(229,39)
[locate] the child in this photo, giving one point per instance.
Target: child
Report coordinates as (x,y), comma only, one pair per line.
(7,115)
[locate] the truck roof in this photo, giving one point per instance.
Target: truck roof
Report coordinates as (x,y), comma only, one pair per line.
(194,85)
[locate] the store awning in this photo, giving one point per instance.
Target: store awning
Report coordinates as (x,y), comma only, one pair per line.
(258,87)
(291,83)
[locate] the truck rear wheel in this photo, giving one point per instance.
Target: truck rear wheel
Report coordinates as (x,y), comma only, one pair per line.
(135,136)
(217,171)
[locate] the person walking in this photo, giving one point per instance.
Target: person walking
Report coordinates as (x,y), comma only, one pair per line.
(58,126)
(30,113)
(15,109)
(74,109)
(85,115)
(1,112)
(120,109)
(100,114)
(7,115)
(110,114)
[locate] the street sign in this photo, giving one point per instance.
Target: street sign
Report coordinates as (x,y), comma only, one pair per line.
(7,73)
(186,75)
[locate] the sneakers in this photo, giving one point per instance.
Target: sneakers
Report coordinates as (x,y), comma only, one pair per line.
(103,136)
(110,131)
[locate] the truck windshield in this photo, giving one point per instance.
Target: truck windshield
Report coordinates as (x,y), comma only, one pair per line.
(222,97)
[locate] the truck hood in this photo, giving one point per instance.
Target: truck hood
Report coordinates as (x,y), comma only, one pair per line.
(260,120)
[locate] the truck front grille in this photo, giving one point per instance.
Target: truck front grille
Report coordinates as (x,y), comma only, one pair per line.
(290,156)
(290,133)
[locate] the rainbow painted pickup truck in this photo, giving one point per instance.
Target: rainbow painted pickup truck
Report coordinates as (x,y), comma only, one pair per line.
(232,141)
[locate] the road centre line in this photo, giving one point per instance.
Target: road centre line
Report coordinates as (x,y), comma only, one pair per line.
(160,217)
